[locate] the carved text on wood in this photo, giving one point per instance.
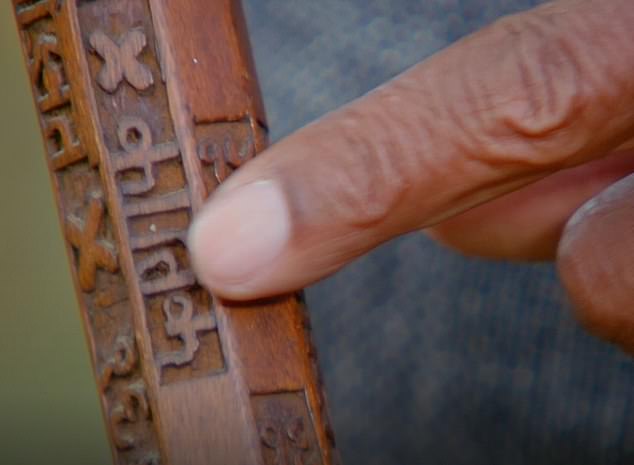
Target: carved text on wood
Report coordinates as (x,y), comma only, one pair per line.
(286,431)
(152,191)
(225,146)
(224,156)
(185,326)
(47,72)
(65,149)
(121,60)
(132,407)
(130,168)
(92,252)
(90,235)
(121,363)
(139,154)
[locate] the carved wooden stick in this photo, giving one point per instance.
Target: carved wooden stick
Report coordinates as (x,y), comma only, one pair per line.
(145,106)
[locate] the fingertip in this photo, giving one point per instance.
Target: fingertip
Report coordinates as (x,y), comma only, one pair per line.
(235,240)
(594,262)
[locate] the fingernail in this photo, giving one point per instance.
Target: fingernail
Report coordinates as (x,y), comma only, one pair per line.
(602,204)
(239,233)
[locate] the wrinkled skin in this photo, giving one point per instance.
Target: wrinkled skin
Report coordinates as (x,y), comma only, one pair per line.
(514,143)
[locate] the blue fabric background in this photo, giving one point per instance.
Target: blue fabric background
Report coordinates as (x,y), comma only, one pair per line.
(431,358)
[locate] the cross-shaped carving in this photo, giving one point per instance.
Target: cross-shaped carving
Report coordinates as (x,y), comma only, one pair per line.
(93,253)
(184,326)
(139,153)
(121,60)
(287,438)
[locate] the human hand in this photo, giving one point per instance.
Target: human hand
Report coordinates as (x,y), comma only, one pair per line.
(490,146)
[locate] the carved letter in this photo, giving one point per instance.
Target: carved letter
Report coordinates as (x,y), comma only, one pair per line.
(159,273)
(136,140)
(93,253)
(65,149)
(287,440)
(157,238)
(164,203)
(184,326)
(120,60)
(131,408)
(286,430)
(47,74)
(224,157)
(121,363)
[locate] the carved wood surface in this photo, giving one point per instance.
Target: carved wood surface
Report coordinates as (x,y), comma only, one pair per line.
(145,107)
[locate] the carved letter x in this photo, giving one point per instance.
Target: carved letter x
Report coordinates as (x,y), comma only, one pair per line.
(121,60)
(92,253)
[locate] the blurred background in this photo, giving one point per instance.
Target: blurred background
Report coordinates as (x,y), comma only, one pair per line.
(429,358)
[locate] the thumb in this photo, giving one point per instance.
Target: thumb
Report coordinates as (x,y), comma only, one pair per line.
(595,263)
(502,108)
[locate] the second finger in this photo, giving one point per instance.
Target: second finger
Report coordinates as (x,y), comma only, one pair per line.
(527,224)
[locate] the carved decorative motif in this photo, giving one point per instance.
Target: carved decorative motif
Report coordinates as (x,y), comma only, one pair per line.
(286,430)
(184,326)
(121,60)
(157,238)
(152,192)
(160,204)
(89,230)
(132,407)
(287,440)
(121,363)
(136,139)
(223,147)
(47,73)
(93,253)
(66,150)
(225,156)
(129,168)
(159,273)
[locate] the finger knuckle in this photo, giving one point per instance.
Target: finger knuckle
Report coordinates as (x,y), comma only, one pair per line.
(374,180)
(541,95)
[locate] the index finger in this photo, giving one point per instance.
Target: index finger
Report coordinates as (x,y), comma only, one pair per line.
(532,94)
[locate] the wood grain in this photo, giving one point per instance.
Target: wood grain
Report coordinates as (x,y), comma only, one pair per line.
(146,106)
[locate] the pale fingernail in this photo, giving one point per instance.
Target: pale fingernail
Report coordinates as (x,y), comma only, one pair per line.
(239,234)
(602,204)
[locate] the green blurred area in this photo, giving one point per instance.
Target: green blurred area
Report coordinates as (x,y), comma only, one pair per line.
(49,410)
